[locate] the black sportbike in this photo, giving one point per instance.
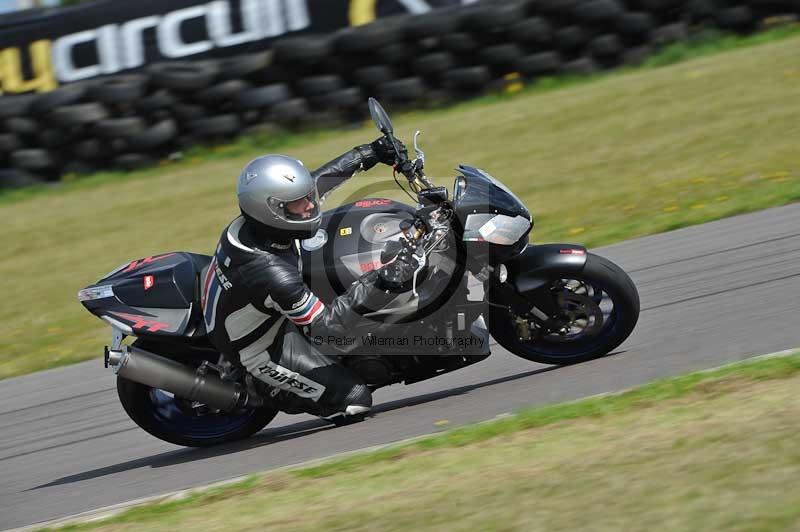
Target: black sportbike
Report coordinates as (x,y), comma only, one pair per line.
(476,276)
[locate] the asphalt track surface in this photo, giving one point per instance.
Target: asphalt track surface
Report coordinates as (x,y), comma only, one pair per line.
(711,294)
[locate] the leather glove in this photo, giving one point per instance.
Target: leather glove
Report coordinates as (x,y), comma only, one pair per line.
(398,275)
(385,151)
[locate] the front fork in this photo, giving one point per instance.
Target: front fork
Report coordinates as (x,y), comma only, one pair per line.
(538,306)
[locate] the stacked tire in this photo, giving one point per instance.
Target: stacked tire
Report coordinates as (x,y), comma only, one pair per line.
(129,121)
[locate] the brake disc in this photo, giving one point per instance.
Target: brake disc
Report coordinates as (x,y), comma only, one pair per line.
(580,316)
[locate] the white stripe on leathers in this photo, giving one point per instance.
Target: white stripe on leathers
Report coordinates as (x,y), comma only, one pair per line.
(256,353)
(244,321)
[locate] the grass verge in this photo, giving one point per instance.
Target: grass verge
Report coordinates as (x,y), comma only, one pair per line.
(630,154)
(707,451)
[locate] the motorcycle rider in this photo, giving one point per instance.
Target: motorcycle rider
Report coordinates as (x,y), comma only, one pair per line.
(258,310)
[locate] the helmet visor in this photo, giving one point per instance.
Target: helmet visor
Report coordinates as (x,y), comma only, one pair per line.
(299,210)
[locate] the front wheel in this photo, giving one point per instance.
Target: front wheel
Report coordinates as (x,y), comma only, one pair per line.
(183,422)
(597,310)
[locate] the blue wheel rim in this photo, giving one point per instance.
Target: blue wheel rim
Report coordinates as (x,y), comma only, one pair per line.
(174,415)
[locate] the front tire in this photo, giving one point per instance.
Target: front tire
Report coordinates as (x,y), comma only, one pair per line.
(175,420)
(583,296)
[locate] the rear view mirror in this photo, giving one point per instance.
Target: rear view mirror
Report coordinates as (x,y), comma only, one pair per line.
(379,116)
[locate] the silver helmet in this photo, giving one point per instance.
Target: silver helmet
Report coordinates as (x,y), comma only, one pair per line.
(270,189)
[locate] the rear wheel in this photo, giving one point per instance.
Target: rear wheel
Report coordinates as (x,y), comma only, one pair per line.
(184,422)
(597,310)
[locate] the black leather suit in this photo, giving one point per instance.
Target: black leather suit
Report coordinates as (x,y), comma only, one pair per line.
(259,311)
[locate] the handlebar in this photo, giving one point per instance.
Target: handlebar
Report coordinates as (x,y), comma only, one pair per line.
(401,163)
(412,170)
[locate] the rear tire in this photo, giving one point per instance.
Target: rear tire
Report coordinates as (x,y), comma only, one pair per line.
(167,419)
(605,276)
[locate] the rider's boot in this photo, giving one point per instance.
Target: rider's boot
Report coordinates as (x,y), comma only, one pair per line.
(351,414)
(290,403)
(352,408)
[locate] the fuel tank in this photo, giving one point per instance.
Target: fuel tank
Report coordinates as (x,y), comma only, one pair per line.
(349,243)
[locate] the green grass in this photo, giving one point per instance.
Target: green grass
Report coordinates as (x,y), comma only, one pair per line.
(706,451)
(626,155)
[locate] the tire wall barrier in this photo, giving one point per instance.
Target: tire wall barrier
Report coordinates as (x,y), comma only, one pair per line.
(131,120)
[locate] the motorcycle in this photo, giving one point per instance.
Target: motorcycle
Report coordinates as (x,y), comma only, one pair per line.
(477,276)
